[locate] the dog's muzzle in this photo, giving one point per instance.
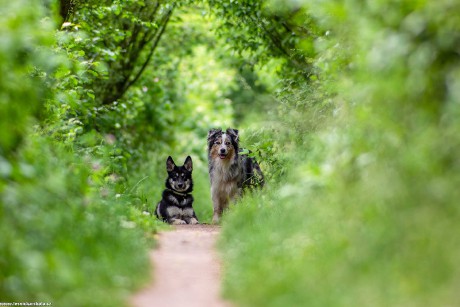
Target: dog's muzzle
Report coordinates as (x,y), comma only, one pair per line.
(222,153)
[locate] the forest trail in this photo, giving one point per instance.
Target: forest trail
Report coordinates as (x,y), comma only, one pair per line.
(186,270)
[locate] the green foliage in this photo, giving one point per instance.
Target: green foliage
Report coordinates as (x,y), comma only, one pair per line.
(20,97)
(350,108)
(366,213)
(260,32)
(110,45)
(124,35)
(65,235)
(68,225)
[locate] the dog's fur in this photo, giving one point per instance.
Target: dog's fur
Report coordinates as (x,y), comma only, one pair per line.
(175,206)
(229,171)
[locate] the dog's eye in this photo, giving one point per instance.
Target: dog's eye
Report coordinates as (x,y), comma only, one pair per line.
(227,143)
(217,142)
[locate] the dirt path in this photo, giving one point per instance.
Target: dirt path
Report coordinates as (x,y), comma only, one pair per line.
(186,270)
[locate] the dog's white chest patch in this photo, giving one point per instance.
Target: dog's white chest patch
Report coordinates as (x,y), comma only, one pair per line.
(174,211)
(224,183)
(178,212)
(221,171)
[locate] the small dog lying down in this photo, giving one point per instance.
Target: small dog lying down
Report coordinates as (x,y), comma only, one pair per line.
(229,171)
(176,205)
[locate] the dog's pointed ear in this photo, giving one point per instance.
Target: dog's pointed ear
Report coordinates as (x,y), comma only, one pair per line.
(188,164)
(212,133)
(170,164)
(234,133)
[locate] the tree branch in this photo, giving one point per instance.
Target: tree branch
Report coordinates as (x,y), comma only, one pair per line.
(154,46)
(277,43)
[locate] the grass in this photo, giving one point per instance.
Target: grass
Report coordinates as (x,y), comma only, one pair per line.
(294,246)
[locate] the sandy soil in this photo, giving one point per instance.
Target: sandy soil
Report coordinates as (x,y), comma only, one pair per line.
(186,270)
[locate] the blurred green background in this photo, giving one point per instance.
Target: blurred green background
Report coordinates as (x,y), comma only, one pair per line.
(350,107)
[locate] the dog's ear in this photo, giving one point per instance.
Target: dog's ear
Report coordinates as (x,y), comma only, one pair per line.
(188,164)
(233,133)
(170,164)
(212,133)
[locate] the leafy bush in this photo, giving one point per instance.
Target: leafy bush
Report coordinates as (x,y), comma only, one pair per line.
(23,33)
(68,237)
(63,243)
(367,213)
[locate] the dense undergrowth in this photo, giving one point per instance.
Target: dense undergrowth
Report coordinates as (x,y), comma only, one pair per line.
(366,212)
(69,238)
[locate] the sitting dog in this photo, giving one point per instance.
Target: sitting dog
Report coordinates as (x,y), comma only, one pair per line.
(229,171)
(176,205)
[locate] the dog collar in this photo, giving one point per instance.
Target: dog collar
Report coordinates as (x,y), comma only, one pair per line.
(178,193)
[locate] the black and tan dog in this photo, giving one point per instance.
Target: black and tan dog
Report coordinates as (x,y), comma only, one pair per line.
(229,171)
(176,205)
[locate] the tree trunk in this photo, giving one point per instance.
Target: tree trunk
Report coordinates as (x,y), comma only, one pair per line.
(66,9)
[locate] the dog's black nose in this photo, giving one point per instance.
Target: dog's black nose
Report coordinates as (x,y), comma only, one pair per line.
(222,150)
(180,185)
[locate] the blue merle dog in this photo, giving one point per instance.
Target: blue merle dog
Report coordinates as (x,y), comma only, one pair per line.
(229,171)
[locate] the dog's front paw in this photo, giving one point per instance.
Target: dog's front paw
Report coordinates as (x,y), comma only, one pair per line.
(193,221)
(215,219)
(177,222)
